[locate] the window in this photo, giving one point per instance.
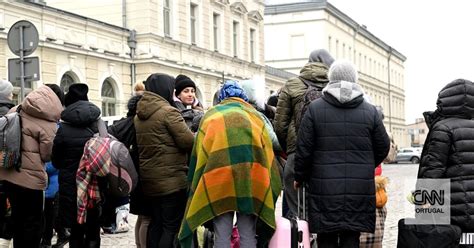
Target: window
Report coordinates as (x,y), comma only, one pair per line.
(297,46)
(66,81)
(252,45)
(215,23)
(193,22)
(108,98)
(360,61)
(343,50)
(167,17)
(337,49)
(329,44)
(235,37)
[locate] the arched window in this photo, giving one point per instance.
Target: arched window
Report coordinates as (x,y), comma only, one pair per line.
(108,98)
(67,80)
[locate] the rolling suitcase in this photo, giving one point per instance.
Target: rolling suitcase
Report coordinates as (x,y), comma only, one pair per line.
(293,232)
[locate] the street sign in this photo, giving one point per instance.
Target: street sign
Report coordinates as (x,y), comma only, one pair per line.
(23,33)
(31,73)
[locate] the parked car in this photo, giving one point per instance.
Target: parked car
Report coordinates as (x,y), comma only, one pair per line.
(410,154)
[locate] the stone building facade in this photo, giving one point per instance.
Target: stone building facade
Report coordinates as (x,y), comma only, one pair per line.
(294,28)
(110,45)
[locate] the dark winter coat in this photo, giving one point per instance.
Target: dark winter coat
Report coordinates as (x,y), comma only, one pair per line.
(290,101)
(163,140)
(77,127)
(339,145)
(449,149)
(191,116)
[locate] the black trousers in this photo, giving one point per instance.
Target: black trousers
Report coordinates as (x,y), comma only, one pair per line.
(83,234)
(48,220)
(27,213)
(168,212)
(343,239)
(6,231)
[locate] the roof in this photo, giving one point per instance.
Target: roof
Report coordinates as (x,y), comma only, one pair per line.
(283,7)
(67,13)
(279,73)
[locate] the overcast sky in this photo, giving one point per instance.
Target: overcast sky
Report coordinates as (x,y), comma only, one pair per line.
(437,37)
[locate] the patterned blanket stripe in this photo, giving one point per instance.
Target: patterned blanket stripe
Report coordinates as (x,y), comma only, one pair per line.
(231,168)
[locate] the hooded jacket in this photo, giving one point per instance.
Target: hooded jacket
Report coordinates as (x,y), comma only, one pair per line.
(77,127)
(291,99)
(39,113)
(449,147)
(163,140)
(5,105)
(340,142)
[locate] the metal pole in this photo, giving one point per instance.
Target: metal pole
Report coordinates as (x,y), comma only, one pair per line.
(22,66)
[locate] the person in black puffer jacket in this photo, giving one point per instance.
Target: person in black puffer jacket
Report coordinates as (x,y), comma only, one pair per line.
(341,140)
(6,104)
(79,124)
(449,146)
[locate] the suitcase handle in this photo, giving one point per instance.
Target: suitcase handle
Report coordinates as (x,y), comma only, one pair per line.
(304,217)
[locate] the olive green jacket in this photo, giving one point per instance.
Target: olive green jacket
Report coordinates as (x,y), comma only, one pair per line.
(290,100)
(163,140)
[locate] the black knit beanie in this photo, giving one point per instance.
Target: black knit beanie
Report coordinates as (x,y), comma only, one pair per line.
(57,90)
(182,82)
(77,92)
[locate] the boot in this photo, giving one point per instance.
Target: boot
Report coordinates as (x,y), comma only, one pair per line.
(63,237)
(5,243)
(74,243)
(93,244)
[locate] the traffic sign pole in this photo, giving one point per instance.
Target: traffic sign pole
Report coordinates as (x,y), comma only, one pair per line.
(22,66)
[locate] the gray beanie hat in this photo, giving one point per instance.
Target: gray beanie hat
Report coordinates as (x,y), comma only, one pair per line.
(6,88)
(343,70)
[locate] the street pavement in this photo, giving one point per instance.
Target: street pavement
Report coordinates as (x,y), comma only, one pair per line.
(402,179)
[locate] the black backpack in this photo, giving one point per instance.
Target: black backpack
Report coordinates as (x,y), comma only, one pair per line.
(312,93)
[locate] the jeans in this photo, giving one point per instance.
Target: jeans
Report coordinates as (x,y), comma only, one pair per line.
(342,239)
(246,224)
(167,214)
(27,214)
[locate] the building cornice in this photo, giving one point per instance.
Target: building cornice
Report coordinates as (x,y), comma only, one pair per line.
(324,5)
(195,48)
(56,11)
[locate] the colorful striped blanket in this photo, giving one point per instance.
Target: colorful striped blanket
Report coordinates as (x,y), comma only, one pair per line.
(232,168)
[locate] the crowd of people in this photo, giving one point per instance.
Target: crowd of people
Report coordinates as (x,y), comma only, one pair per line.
(231,162)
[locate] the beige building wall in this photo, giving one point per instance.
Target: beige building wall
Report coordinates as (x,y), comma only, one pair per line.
(87,50)
(90,45)
(418,132)
(292,31)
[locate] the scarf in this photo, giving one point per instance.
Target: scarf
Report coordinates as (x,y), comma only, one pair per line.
(94,162)
(232,168)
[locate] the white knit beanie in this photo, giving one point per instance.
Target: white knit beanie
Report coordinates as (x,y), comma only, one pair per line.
(343,70)
(6,88)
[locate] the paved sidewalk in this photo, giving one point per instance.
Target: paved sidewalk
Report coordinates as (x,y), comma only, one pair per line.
(399,174)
